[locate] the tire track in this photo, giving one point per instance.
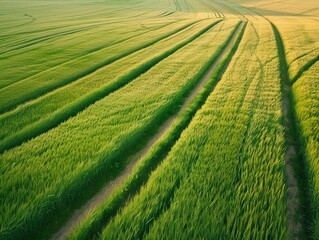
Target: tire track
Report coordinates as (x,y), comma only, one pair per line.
(37,40)
(34,41)
(300,219)
(304,68)
(233,11)
(217,13)
(80,214)
(73,108)
(34,93)
(299,215)
(91,51)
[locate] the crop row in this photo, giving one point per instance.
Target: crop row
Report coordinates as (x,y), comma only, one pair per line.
(92,144)
(50,24)
(224,178)
(302,53)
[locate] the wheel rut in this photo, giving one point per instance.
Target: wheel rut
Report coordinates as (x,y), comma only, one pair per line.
(81,213)
(299,216)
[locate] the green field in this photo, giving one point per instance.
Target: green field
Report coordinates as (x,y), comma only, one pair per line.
(159,119)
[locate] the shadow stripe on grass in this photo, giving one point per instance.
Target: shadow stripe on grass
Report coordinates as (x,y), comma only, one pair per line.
(304,68)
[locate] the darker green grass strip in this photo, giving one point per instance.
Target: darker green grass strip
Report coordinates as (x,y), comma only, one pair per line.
(79,105)
(37,40)
(37,92)
(91,51)
(51,215)
(302,213)
(92,226)
(304,68)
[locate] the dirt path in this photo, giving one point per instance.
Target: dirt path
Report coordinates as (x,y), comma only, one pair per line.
(80,213)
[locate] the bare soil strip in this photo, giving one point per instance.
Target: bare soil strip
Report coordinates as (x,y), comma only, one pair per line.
(80,214)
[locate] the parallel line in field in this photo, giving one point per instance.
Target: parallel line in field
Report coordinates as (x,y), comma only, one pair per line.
(173,126)
(217,13)
(166,203)
(34,41)
(72,109)
(51,28)
(302,55)
(233,10)
(91,51)
(29,50)
(304,68)
(31,42)
(47,89)
(299,214)
(300,221)
(187,6)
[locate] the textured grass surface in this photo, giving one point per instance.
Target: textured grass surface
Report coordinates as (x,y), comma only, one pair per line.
(102,135)
(47,112)
(84,85)
(93,223)
(306,92)
(230,158)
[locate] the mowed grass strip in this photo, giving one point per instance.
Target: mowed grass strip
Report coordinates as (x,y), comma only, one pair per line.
(93,143)
(46,81)
(92,224)
(224,178)
(305,93)
(47,112)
